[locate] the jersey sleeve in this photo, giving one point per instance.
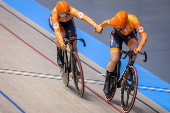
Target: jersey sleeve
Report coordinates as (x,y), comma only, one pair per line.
(138,26)
(107,22)
(56,27)
(80,15)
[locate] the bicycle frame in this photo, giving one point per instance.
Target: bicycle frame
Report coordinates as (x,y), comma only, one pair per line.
(75,67)
(130,54)
(129,86)
(128,82)
(70,41)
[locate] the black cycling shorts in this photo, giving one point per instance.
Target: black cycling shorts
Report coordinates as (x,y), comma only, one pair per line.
(117,38)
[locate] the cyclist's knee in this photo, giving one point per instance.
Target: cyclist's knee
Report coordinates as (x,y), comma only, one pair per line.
(114,60)
(115,56)
(132,44)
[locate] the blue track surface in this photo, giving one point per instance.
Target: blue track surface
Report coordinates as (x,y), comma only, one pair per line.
(149,84)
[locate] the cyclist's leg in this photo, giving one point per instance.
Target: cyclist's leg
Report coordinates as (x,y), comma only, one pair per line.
(71,33)
(115,56)
(115,47)
(132,43)
(74,45)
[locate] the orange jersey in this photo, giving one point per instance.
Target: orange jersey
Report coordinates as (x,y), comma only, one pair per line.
(133,23)
(73,13)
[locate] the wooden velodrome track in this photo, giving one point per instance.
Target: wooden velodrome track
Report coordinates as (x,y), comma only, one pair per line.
(30,80)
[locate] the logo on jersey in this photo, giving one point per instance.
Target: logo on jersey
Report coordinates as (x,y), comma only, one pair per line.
(62,19)
(140,29)
(117,45)
(55,26)
(80,15)
(111,41)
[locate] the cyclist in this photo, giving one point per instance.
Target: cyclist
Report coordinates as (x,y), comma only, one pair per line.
(125,28)
(62,23)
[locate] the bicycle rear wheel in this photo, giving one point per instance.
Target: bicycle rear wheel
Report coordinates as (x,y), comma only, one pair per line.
(78,76)
(113,83)
(113,87)
(64,69)
(129,90)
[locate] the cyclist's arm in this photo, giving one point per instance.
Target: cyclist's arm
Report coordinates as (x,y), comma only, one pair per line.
(82,16)
(105,23)
(144,38)
(56,28)
(141,31)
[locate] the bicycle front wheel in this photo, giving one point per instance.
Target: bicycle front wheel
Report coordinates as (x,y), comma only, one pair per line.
(129,90)
(78,76)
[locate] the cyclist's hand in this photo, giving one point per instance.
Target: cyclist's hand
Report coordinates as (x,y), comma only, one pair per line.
(98,29)
(63,46)
(138,50)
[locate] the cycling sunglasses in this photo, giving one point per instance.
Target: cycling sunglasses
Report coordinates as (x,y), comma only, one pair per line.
(63,15)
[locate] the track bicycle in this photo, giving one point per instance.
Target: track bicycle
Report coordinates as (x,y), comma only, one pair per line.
(128,82)
(73,65)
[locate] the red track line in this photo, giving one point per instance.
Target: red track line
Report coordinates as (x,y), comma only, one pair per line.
(57,66)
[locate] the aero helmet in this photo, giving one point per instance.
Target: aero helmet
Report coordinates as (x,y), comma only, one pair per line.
(120,20)
(63,7)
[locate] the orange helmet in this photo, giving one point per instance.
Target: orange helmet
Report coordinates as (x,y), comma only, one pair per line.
(63,7)
(120,20)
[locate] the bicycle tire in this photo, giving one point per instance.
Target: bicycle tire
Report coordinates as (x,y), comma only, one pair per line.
(78,75)
(65,71)
(129,90)
(113,83)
